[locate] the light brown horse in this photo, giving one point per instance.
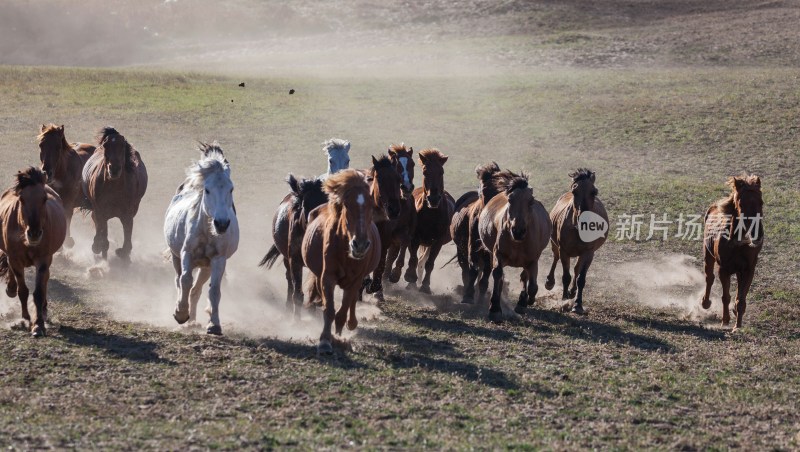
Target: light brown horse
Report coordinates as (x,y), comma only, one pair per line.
(515,227)
(63,165)
(114,181)
(573,215)
(288,226)
(403,227)
(734,235)
(435,209)
(472,256)
(341,247)
(33,228)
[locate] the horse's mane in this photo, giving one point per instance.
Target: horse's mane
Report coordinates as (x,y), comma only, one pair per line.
(107,132)
(302,188)
(398,148)
(52,128)
(213,161)
(751,183)
(28,178)
(208,148)
(338,185)
(486,171)
(334,144)
(508,181)
(580,174)
(429,153)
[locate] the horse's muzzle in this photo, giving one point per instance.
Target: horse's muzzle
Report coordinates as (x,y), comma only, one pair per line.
(433,201)
(358,249)
(33,237)
(393,209)
(221,226)
(518,233)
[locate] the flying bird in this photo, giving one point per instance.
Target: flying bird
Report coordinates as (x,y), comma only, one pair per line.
(241,85)
(291,91)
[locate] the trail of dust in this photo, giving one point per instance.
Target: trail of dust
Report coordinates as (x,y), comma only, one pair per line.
(672,281)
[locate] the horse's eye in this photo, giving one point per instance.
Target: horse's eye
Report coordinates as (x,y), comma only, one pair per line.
(207,192)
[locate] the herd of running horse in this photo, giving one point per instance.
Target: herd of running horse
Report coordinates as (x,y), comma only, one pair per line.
(350,228)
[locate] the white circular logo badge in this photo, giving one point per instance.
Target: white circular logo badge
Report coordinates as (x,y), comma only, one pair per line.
(591,227)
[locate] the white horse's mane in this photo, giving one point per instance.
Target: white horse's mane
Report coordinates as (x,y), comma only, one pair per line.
(336,144)
(212,162)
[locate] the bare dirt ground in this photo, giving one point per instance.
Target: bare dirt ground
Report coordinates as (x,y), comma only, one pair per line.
(662,99)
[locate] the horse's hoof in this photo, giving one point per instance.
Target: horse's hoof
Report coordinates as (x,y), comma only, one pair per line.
(411,286)
(578,309)
(69,242)
(496,316)
(467,300)
(96,248)
(394,276)
(549,284)
(520,308)
(572,293)
(324,348)
(705,303)
(425,289)
(38,331)
(11,292)
(180,317)
(216,330)
(352,324)
(379,296)
(123,254)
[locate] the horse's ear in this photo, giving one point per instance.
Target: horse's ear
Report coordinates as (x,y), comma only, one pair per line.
(391,152)
(293,184)
(346,146)
(410,151)
(757,181)
(61,128)
(422,159)
(591,176)
(444,159)
(374,161)
(41,129)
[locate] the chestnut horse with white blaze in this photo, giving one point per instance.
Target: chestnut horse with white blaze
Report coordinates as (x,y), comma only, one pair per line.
(33,227)
(435,208)
(515,227)
(63,165)
(340,248)
(202,232)
(114,182)
(574,210)
(733,237)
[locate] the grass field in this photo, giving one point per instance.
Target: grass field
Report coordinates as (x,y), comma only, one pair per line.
(644,369)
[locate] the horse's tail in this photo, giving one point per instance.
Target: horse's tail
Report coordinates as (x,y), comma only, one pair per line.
(314,290)
(449,262)
(270,258)
(5,268)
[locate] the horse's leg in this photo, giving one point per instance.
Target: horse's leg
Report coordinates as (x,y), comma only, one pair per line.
(376,285)
(550,282)
(495,311)
(411,272)
(708,260)
(197,289)
(743,280)
(18,275)
(352,321)
(289,284)
(349,298)
(214,294)
(100,242)
(530,287)
(40,298)
(68,241)
(483,284)
(566,278)
(328,314)
(573,288)
(297,281)
(725,281)
(584,261)
(429,265)
(181,313)
(393,275)
(127,232)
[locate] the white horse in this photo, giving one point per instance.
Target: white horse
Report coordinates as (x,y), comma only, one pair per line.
(202,231)
(337,151)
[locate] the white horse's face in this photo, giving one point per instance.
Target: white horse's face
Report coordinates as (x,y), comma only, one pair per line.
(218,201)
(338,159)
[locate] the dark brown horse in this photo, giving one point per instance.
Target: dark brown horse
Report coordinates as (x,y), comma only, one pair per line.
(33,227)
(734,235)
(573,216)
(514,226)
(63,166)
(472,256)
(385,189)
(340,248)
(114,181)
(288,226)
(403,227)
(435,209)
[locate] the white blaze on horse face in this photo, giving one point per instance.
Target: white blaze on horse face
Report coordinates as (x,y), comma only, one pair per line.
(404,163)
